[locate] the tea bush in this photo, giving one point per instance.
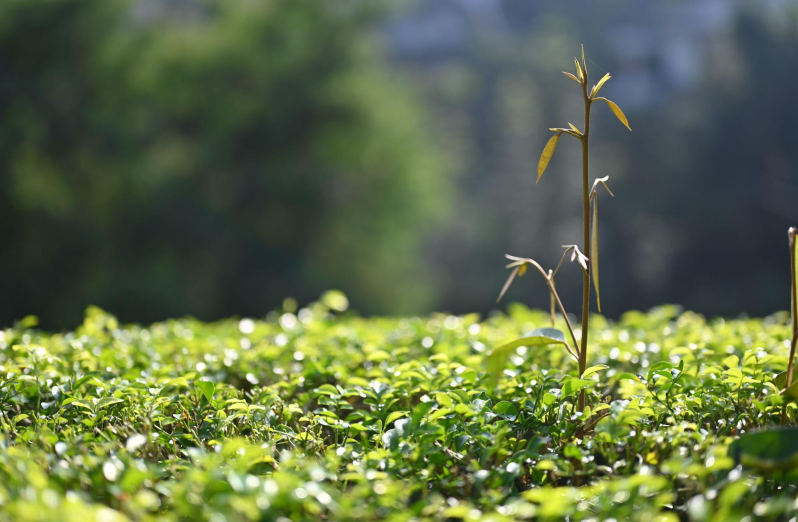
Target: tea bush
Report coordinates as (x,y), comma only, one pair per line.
(319,414)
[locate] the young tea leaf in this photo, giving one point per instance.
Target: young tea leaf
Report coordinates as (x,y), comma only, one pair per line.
(497,360)
(548,151)
(575,385)
(506,410)
(207,388)
(594,369)
(617,112)
(598,86)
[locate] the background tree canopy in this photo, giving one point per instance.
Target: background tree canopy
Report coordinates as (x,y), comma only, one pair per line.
(208,160)
(198,157)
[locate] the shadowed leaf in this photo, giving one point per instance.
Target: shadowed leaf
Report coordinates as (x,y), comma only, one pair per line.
(767,450)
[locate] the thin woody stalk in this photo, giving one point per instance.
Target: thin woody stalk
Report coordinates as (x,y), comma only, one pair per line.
(794,303)
(586,238)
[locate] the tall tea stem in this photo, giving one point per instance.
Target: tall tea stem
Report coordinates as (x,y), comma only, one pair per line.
(794,307)
(586,241)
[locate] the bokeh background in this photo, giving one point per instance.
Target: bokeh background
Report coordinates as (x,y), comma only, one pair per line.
(210,158)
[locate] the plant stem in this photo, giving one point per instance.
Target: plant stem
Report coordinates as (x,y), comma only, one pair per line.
(794,300)
(586,241)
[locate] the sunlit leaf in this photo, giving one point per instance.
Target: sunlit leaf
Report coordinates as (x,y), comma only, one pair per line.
(395,416)
(598,86)
(767,450)
(571,76)
(594,369)
(584,64)
(575,385)
(594,253)
(579,71)
(106,401)
(207,388)
(497,360)
(548,151)
(617,112)
(573,127)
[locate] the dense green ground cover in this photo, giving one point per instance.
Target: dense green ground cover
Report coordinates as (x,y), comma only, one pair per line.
(322,415)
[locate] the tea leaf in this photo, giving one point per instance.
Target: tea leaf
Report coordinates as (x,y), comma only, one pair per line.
(207,388)
(548,151)
(594,369)
(767,450)
(575,385)
(506,410)
(617,112)
(106,401)
(598,86)
(497,360)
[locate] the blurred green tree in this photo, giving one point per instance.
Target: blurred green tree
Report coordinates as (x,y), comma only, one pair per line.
(206,158)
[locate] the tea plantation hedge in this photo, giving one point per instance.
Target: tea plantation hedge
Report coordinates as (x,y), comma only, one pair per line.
(324,415)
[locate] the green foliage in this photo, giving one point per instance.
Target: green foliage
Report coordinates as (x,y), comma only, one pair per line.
(320,414)
(210,159)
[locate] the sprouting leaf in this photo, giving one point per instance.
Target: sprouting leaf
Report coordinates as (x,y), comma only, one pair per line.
(548,151)
(207,388)
(584,64)
(594,369)
(767,450)
(579,71)
(506,410)
(571,76)
(598,86)
(617,112)
(594,253)
(521,270)
(574,128)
